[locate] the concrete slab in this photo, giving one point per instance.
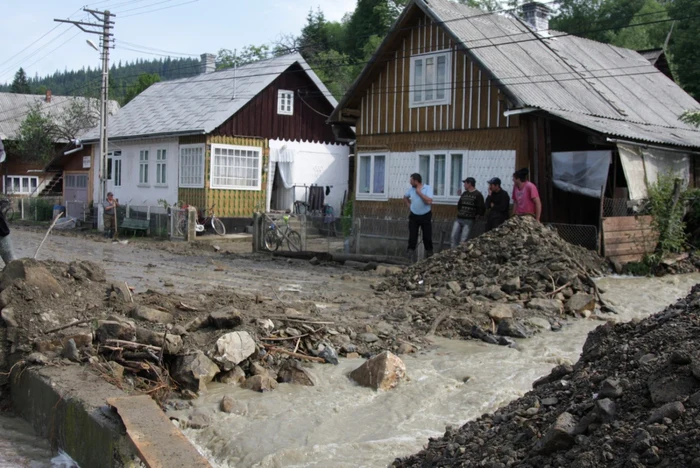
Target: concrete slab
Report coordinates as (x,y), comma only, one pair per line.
(158,442)
(225,239)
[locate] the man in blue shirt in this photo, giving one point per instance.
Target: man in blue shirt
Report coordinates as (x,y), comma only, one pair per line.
(419,199)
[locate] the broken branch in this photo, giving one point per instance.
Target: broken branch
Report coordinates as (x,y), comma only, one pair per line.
(63,327)
(274,349)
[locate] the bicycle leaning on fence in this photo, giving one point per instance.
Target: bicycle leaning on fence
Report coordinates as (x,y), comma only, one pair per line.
(276,235)
(7,208)
(211,220)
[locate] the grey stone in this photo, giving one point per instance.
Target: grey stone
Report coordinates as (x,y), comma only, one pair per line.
(116,330)
(606,409)
(260,383)
(233,348)
(505,341)
(557,373)
(511,285)
(501,312)
(173,343)
(86,270)
(495,293)
(695,369)
(199,419)
(511,328)
(8,315)
(37,358)
(292,372)
(610,388)
(368,337)
(647,358)
(671,388)
(552,401)
(539,322)
(383,372)
(454,286)
(151,315)
(479,334)
(227,404)
(315,261)
(235,376)
(671,411)
(680,358)
(225,319)
(70,351)
(695,399)
(194,371)
(547,305)
(559,437)
(580,302)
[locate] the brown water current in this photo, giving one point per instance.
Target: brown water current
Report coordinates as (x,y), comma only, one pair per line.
(339,424)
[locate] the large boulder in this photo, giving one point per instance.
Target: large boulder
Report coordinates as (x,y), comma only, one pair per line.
(553,306)
(86,270)
(293,372)
(382,372)
(225,319)
(560,436)
(194,371)
(115,330)
(502,311)
(260,383)
(233,348)
(32,273)
(579,303)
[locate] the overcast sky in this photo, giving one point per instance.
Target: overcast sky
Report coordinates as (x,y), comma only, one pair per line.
(183,26)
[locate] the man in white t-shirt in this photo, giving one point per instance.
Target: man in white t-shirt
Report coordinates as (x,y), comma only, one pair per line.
(419,199)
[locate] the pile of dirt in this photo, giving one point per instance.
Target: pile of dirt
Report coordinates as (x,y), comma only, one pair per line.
(520,271)
(64,314)
(632,400)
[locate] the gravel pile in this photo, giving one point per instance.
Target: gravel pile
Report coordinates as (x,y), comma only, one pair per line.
(632,400)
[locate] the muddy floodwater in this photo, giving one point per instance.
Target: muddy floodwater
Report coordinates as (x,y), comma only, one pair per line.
(339,424)
(334,423)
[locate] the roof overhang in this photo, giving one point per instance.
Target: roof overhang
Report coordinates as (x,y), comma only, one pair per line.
(147,136)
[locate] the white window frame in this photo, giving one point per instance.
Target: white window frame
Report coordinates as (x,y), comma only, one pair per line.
(430,177)
(21,184)
(117,172)
(161,167)
(285,102)
(197,167)
(212,171)
(143,168)
(416,85)
(359,194)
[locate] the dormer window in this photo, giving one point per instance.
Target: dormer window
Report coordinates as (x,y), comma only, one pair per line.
(430,79)
(285,102)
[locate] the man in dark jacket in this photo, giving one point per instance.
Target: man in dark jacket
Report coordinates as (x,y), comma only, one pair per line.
(470,205)
(498,204)
(6,251)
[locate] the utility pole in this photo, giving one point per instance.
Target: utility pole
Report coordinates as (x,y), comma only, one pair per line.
(102,29)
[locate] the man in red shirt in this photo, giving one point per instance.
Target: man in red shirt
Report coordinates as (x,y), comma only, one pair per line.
(526,198)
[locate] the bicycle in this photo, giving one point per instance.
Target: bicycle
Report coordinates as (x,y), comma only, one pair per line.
(275,236)
(201,224)
(7,209)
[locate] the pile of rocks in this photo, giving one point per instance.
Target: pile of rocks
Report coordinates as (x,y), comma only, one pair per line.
(520,271)
(633,399)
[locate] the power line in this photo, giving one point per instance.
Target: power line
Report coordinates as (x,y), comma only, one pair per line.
(159,9)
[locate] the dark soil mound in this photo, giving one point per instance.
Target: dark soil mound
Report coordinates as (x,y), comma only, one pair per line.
(632,400)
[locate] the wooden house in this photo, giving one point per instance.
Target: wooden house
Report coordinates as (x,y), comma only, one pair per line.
(454,92)
(243,139)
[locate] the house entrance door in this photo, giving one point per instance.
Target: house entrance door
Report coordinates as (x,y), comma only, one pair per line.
(75,192)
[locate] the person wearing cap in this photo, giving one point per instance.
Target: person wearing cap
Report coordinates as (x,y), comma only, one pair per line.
(497,204)
(110,204)
(470,205)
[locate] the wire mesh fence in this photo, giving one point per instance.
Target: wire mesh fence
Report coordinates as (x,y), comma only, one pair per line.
(619,207)
(33,208)
(578,234)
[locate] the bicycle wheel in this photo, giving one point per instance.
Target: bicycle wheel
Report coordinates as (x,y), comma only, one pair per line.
(218,226)
(271,240)
(294,241)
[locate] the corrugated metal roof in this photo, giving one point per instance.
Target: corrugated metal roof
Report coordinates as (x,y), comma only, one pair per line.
(15,107)
(609,89)
(199,104)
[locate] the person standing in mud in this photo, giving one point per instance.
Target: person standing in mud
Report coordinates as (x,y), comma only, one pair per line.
(526,198)
(497,204)
(419,199)
(6,251)
(470,205)
(110,205)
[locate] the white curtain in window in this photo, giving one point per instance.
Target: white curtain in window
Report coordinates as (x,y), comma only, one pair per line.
(642,166)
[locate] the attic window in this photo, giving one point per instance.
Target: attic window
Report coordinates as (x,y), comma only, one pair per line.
(285,102)
(430,79)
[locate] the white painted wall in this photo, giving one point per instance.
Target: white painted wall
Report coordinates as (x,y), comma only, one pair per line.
(482,165)
(317,163)
(130,190)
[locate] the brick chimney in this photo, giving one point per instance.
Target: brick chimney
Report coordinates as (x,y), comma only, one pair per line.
(536,15)
(208,63)
(48,95)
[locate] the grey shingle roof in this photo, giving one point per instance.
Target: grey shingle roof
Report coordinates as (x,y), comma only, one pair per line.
(15,107)
(606,88)
(199,104)
(577,79)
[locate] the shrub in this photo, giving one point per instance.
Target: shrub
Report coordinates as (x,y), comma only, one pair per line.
(346,222)
(667,208)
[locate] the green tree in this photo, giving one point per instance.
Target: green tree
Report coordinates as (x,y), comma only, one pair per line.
(144,81)
(640,36)
(691,117)
(685,45)
(248,54)
(36,135)
(20,84)
(370,18)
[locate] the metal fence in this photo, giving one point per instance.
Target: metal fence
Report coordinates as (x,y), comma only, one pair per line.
(33,208)
(619,207)
(389,237)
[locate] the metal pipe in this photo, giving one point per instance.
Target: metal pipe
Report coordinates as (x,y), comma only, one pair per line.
(523,110)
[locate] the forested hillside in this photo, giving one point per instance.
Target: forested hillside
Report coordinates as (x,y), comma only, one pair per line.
(338,50)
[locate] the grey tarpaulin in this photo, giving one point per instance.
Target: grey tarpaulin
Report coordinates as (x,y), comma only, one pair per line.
(582,172)
(642,166)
